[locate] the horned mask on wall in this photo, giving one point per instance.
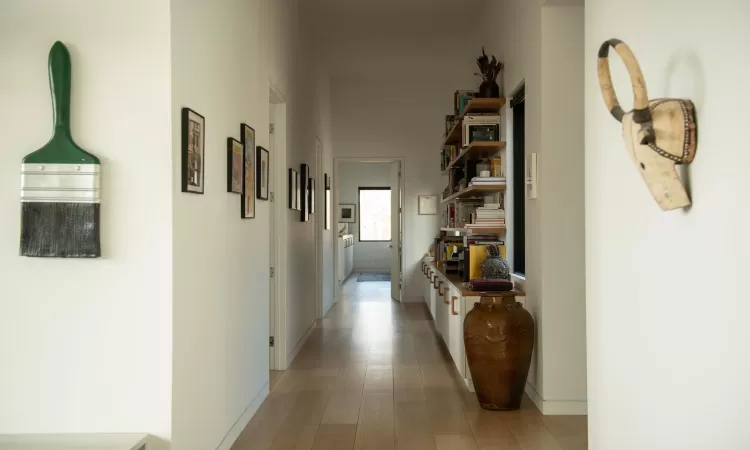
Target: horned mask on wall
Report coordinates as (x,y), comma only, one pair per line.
(659,134)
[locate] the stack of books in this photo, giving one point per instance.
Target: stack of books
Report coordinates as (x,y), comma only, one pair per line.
(486,181)
(491,215)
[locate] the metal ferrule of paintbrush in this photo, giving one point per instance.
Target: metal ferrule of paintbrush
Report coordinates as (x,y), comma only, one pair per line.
(61,183)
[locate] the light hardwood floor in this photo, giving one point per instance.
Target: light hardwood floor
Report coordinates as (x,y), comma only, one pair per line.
(374,375)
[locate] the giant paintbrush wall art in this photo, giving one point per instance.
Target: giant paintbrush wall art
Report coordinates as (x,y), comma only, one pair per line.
(193,151)
(60,182)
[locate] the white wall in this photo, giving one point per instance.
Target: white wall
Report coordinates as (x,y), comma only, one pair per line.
(86,344)
(373,256)
(309,118)
(666,298)
(221,262)
(542,47)
(562,221)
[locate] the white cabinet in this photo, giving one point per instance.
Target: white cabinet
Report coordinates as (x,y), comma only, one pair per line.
(345,256)
(448,308)
(455,342)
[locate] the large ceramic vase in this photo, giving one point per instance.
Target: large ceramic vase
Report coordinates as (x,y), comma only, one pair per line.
(499,339)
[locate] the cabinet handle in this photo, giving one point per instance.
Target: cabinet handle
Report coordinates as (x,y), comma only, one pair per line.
(453,305)
(440,288)
(434,282)
(445,299)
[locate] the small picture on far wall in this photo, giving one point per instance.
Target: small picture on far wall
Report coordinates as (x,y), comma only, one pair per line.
(327,202)
(263,167)
(298,192)
(348,213)
(247,210)
(292,189)
(234,166)
(311,196)
(193,151)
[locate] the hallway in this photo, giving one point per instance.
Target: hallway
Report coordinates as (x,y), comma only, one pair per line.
(373,375)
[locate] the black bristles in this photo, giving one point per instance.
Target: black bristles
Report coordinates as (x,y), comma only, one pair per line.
(60,230)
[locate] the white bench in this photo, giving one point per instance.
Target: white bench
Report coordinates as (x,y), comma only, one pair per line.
(74,442)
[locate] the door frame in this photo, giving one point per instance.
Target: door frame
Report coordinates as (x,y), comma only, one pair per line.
(278,116)
(337,161)
(319,224)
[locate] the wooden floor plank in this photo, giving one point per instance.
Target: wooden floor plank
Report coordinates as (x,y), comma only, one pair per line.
(374,375)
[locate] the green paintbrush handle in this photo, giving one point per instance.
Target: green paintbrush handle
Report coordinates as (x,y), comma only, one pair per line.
(59,84)
(61,149)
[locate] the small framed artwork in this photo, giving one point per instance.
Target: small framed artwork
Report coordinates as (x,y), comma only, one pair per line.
(292,189)
(297,199)
(327,202)
(311,195)
(263,167)
(248,172)
(234,166)
(193,151)
(304,207)
(427,205)
(348,213)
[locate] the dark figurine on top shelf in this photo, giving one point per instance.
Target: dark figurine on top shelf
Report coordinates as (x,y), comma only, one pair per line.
(489,70)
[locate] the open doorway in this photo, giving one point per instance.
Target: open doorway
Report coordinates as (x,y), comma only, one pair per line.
(368,213)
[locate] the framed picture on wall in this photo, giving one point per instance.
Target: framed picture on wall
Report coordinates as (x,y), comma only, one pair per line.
(292,189)
(304,209)
(234,166)
(193,151)
(311,195)
(327,202)
(347,213)
(247,210)
(427,205)
(263,168)
(297,193)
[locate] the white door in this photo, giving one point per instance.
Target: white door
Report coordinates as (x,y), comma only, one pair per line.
(272,253)
(396,246)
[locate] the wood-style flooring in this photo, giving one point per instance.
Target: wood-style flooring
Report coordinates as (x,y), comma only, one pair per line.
(374,375)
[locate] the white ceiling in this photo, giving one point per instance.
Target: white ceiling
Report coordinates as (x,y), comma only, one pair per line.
(342,9)
(395,39)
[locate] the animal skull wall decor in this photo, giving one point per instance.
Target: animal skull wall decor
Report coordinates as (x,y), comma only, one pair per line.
(659,134)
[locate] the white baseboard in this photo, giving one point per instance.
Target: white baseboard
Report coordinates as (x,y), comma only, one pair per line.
(293,354)
(556,407)
(243,420)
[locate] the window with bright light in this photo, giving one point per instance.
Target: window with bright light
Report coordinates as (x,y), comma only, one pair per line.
(374,214)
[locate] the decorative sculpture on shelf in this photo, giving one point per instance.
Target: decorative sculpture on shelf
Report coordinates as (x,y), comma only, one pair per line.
(659,134)
(494,267)
(489,70)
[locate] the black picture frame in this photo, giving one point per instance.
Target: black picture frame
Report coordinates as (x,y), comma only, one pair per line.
(292,189)
(235,163)
(304,171)
(247,135)
(327,202)
(297,193)
(347,213)
(311,195)
(193,169)
(263,170)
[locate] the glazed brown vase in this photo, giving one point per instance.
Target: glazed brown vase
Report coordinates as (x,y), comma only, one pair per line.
(499,339)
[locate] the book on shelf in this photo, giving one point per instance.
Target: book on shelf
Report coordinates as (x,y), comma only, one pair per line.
(496,166)
(488,180)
